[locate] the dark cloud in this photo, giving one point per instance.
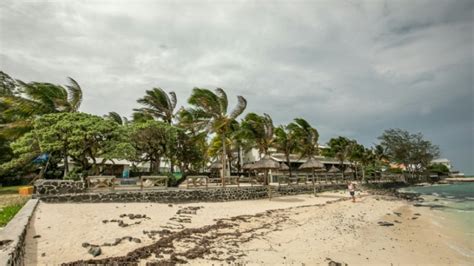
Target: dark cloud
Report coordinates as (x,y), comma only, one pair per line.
(352,68)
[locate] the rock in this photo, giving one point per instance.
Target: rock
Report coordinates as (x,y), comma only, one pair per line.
(333,263)
(43,254)
(170,205)
(383,223)
(37,236)
(95,251)
(136,240)
(417,214)
(85,245)
(414,218)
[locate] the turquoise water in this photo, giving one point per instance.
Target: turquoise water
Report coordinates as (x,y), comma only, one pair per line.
(457,198)
(454,202)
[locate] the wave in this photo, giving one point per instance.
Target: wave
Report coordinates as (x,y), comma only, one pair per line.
(463,251)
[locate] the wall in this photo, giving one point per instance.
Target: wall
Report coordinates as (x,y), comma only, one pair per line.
(12,237)
(174,195)
(54,187)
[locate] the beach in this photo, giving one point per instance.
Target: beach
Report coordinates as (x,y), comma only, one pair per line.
(285,230)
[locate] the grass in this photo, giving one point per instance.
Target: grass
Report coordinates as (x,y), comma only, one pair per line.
(8,212)
(9,190)
(10,203)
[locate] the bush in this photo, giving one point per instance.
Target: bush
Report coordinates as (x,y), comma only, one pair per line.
(75,174)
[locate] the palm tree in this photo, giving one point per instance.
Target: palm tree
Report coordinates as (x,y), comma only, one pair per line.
(114,116)
(259,129)
(285,142)
(36,99)
(158,104)
(341,148)
(307,137)
(214,107)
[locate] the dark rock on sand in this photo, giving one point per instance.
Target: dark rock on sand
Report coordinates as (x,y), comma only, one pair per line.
(383,223)
(95,251)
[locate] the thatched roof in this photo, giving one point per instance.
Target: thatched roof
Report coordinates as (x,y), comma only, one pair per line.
(247,166)
(348,171)
(216,165)
(266,163)
(312,163)
(333,169)
(284,167)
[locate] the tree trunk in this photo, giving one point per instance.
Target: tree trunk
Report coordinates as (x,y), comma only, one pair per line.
(363,174)
(171,166)
(288,162)
(239,159)
(66,164)
(224,155)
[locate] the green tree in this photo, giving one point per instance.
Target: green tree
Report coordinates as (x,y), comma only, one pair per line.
(158,104)
(189,150)
(259,130)
(341,148)
(411,150)
(438,168)
(152,140)
(214,106)
(306,136)
(286,143)
(79,136)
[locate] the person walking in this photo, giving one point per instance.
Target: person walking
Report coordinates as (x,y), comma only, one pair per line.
(352,187)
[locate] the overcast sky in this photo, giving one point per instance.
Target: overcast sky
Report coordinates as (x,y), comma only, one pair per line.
(351,68)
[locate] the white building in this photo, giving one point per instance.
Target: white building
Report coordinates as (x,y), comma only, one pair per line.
(443,161)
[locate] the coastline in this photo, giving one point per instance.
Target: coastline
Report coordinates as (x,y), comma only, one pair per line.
(292,229)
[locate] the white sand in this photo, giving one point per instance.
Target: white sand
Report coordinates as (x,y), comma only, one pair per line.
(343,231)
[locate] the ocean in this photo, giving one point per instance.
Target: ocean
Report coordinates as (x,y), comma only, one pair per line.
(452,206)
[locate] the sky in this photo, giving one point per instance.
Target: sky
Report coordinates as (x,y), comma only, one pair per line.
(350,68)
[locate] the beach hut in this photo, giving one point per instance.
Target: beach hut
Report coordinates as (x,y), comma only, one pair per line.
(266,164)
(216,165)
(312,164)
(334,171)
(348,171)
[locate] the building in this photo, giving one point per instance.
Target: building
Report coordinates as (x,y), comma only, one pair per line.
(444,162)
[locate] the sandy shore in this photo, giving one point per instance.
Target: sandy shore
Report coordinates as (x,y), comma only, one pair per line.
(287,230)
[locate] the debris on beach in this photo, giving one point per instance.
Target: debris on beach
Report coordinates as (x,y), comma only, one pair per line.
(131,216)
(383,223)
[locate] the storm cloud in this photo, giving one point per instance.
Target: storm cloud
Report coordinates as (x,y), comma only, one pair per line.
(351,68)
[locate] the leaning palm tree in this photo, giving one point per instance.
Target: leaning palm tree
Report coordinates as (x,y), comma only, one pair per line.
(219,121)
(306,136)
(285,142)
(259,129)
(158,104)
(35,99)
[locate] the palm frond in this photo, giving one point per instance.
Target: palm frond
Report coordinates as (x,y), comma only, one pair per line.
(74,94)
(205,100)
(240,108)
(223,101)
(115,117)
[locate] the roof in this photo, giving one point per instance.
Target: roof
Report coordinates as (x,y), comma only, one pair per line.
(312,163)
(266,163)
(295,158)
(441,160)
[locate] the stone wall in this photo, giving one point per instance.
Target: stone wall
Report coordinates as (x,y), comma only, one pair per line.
(175,195)
(55,187)
(12,237)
